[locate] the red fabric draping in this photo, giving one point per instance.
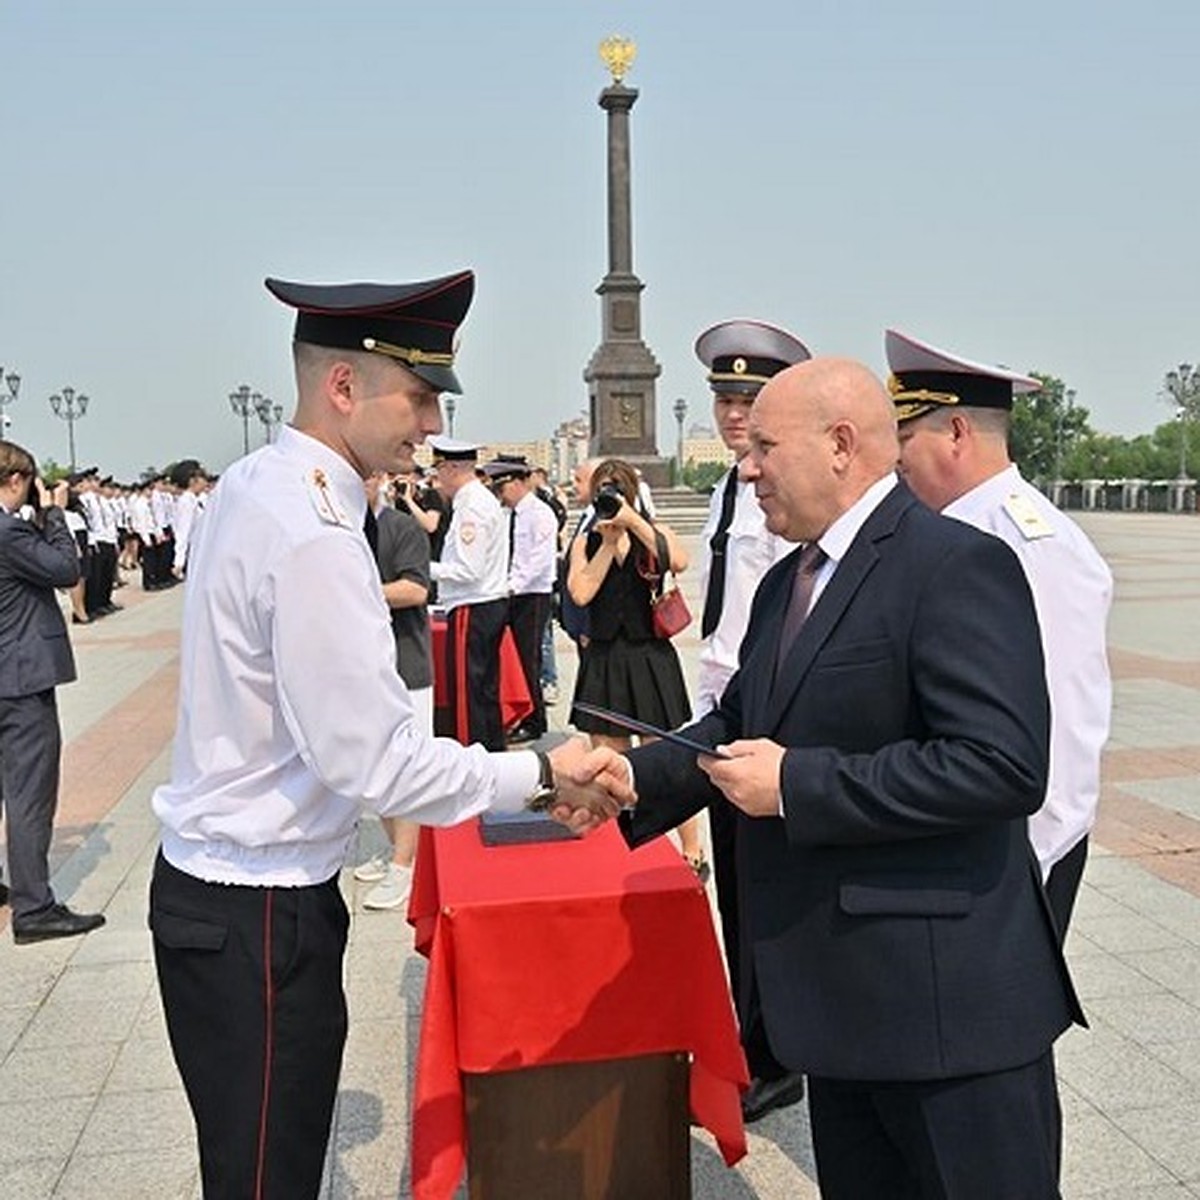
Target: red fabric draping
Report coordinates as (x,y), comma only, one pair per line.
(515,702)
(561,952)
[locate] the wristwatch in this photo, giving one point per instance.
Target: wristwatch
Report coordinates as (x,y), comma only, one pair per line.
(546,792)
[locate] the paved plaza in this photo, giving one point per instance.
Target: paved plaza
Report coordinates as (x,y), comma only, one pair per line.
(91,1107)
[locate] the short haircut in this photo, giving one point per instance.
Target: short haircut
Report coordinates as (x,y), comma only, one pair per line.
(15,460)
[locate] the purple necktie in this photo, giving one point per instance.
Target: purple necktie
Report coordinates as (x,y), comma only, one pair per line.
(811,559)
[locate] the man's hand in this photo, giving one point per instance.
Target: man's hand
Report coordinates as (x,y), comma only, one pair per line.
(594,785)
(750,779)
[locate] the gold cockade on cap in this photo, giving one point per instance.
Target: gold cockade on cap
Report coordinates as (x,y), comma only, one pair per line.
(618,54)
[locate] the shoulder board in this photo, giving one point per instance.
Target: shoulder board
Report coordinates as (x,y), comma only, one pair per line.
(1024,515)
(323,500)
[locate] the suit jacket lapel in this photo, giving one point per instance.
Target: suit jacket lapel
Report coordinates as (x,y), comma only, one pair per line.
(849,576)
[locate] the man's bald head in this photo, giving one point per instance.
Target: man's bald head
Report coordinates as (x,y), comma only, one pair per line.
(822,432)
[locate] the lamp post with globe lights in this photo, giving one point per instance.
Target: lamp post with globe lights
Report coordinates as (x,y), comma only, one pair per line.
(70,407)
(243,402)
(680,409)
(8,393)
(269,413)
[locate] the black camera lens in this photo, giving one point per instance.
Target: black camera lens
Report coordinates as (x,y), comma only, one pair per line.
(607,502)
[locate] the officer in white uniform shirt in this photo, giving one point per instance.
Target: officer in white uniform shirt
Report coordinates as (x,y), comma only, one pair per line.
(532,563)
(293,719)
(954,418)
(472,580)
(737,550)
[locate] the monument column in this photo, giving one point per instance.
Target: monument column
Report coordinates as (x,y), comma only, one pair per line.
(622,372)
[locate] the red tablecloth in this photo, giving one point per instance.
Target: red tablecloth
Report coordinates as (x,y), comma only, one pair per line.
(562,952)
(515,704)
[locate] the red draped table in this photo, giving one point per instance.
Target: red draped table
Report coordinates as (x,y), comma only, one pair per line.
(515,704)
(562,952)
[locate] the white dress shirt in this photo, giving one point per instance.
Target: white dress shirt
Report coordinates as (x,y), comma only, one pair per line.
(535,547)
(749,554)
(292,716)
(187,509)
(474,564)
(1072,591)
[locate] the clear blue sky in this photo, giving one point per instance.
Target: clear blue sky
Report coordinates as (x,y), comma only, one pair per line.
(1017,182)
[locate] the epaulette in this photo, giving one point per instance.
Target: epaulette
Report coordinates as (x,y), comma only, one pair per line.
(324,500)
(1024,515)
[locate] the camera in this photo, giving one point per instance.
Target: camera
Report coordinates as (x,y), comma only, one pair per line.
(607,502)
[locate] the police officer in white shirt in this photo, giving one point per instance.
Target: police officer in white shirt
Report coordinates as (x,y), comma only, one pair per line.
(532,562)
(472,580)
(954,416)
(292,719)
(737,550)
(189,478)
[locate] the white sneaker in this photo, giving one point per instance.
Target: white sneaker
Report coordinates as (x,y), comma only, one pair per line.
(374,869)
(392,891)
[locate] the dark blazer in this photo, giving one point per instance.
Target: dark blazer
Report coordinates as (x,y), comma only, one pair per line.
(893,918)
(35,650)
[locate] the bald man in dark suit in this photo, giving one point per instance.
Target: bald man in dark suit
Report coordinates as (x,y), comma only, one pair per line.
(888,733)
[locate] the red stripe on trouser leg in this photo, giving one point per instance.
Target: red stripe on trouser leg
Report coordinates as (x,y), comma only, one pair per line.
(462,711)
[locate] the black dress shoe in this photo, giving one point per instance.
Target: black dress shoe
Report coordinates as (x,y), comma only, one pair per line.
(764,1095)
(3,893)
(57,921)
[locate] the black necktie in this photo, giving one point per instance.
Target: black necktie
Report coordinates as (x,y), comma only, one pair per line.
(811,559)
(371,531)
(714,598)
(512,536)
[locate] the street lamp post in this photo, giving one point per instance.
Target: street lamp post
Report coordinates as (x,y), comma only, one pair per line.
(680,409)
(451,405)
(12,382)
(243,402)
(268,413)
(1181,416)
(70,408)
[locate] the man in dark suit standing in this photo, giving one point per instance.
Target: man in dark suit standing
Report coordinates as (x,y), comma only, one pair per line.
(888,730)
(37,555)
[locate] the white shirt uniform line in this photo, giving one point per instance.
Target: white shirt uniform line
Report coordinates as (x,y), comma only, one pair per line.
(303,687)
(750,552)
(1072,592)
(474,565)
(186,510)
(535,548)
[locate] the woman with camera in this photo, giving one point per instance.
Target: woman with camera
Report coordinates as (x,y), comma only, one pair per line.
(623,666)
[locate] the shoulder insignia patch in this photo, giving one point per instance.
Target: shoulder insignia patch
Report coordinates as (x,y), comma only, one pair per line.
(1024,515)
(323,499)
(466,532)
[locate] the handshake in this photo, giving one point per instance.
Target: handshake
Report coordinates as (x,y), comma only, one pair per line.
(593,785)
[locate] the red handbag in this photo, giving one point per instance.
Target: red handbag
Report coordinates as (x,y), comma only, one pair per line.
(669,612)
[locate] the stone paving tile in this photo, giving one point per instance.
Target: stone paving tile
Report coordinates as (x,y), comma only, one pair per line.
(24,1135)
(163,1174)
(138,1122)
(80,1022)
(1170,1135)
(31,1179)
(1159,1017)
(33,1075)
(1099,1157)
(143,1064)
(1124,931)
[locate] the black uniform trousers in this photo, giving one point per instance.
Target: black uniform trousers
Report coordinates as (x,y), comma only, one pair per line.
(1062,886)
(527,616)
(982,1137)
(251,982)
(30,750)
(473,633)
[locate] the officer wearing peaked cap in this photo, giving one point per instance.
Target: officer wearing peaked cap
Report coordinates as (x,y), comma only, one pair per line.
(532,563)
(292,719)
(472,579)
(954,419)
(737,551)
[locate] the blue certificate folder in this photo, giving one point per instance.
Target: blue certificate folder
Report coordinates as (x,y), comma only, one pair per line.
(519,828)
(644,727)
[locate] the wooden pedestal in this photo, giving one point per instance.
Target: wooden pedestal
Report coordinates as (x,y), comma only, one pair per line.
(614,1130)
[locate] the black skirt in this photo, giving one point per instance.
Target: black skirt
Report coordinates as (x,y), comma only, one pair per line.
(639,679)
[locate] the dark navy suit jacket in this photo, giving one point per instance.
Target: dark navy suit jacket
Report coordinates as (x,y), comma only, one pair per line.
(893,917)
(35,649)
